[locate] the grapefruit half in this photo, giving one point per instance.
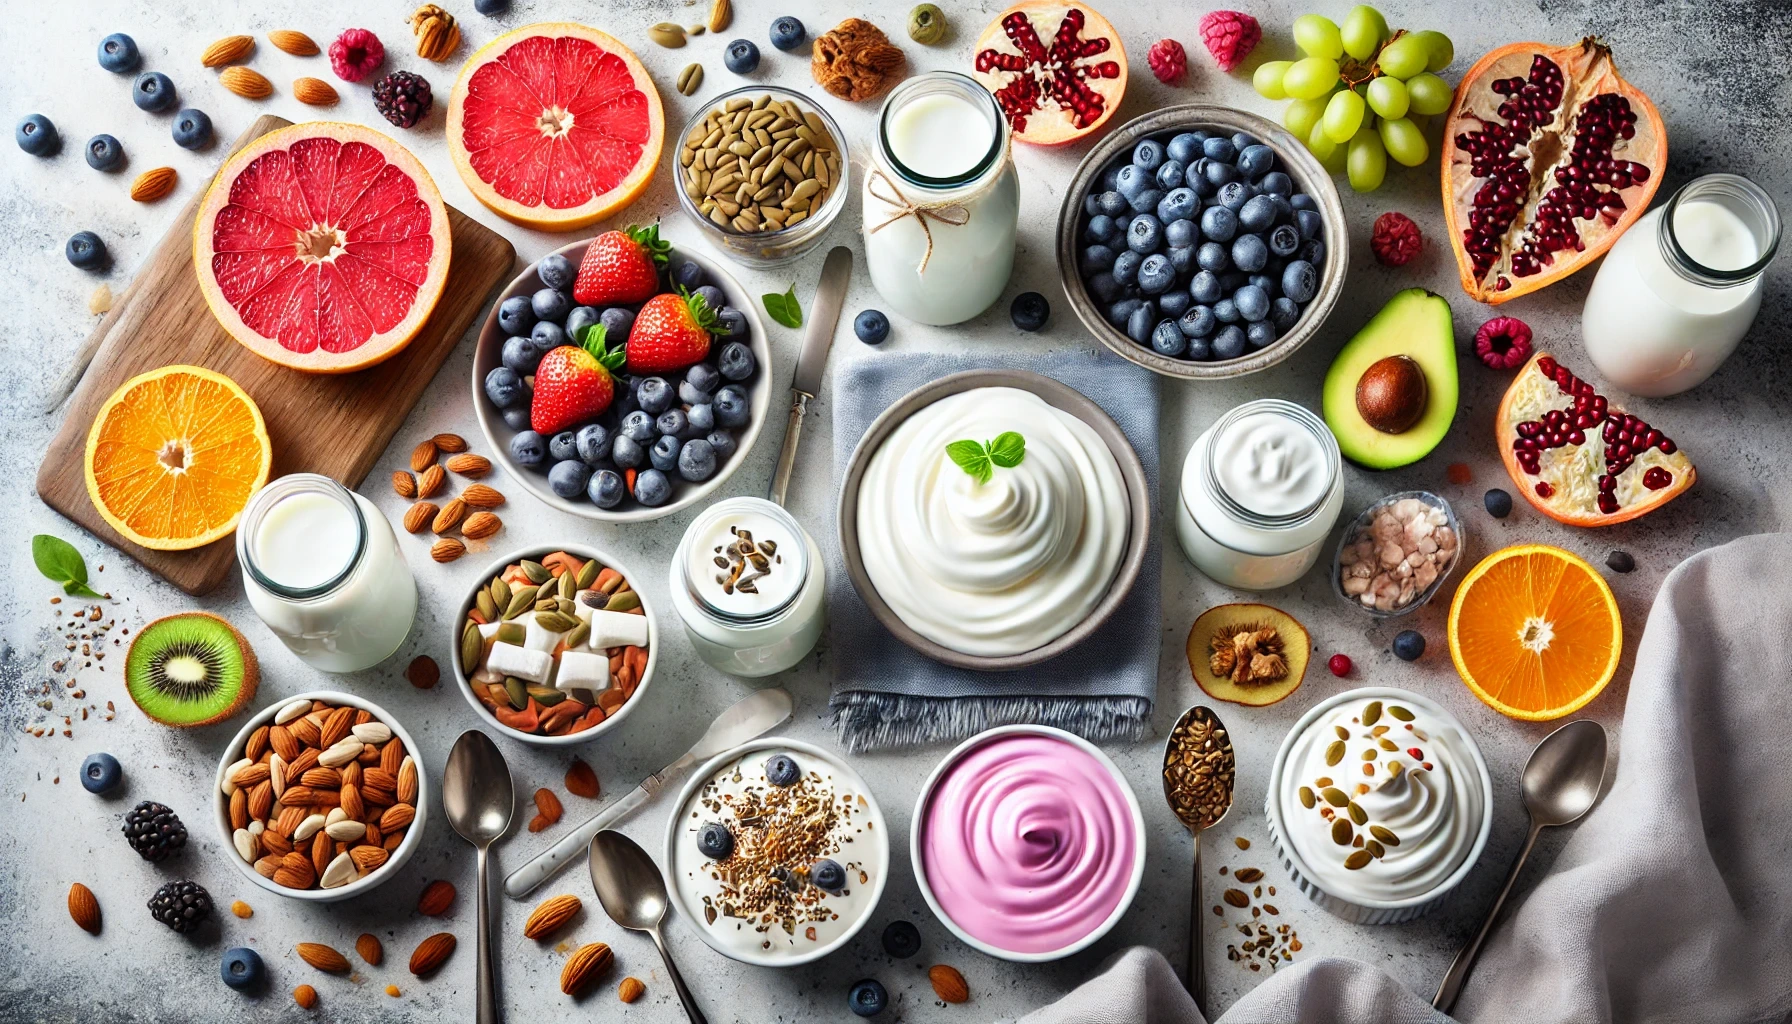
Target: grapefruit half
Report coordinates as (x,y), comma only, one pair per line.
(322,247)
(555,126)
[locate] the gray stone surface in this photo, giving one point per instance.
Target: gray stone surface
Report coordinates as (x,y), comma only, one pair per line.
(1714,69)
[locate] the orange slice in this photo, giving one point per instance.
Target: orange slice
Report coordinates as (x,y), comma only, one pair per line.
(1534,632)
(174,456)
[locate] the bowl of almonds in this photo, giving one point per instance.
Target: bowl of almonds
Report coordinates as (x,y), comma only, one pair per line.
(321,796)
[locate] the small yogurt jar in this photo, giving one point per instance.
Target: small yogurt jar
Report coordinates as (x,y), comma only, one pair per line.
(1379,804)
(749,586)
(768,901)
(1260,492)
(1027,843)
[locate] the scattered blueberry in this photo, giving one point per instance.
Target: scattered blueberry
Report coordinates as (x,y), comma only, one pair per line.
(902,939)
(828,875)
(528,449)
(616,321)
(867,998)
(732,409)
(1498,502)
(550,304)
(1409,645)
(1617,561)
(782,770)
(104,153)
(118,53)
(735,361)
(715,841)
(36,135)
(788,33)
(556,271)
(516,315)
(652,488)
(491,8)
(741,57)
(153,91)
(100,773)
(606,489)
(242,968)
(687,274)
(192,129)
(87,251)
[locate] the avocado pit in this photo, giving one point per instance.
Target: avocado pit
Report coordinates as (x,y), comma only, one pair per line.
(1391,394)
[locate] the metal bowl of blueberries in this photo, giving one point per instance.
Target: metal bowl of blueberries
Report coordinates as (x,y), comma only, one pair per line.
(1202,242)
(666,440)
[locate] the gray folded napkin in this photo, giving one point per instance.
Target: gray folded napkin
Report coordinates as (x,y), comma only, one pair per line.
(888,695)
(1671,901)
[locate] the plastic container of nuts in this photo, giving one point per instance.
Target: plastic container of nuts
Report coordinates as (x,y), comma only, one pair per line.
(795,180)
(1393,558)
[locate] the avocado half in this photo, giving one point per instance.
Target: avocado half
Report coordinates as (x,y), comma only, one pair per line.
(1415,324)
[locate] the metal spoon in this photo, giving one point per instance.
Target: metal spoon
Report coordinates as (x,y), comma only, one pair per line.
(1210,747)
(633,893)
(1561,782)
(479,798)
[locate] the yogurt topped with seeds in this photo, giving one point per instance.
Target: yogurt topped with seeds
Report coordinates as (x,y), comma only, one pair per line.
(745,563)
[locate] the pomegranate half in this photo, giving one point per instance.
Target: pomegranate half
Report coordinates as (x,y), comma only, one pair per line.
(1057,70)
(1548,156)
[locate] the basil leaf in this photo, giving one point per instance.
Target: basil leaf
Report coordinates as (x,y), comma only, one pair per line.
(1008,449)
(972,458)
(58,560)
(784,308)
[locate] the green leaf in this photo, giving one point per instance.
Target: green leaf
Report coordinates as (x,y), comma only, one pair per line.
(58,560)
(1008,449)
(591,339)
(784,308)
(971,457)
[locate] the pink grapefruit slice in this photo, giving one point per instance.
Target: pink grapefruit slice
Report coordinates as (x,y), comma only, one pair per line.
(322,247)
(555,126)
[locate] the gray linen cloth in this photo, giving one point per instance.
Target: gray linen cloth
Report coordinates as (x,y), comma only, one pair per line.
(1672,900)
(885,694)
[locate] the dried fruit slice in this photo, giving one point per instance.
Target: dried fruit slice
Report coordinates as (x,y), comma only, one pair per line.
(1548,156)
(555,126)
(322,247)
(1263,646)
(1580,458)
(1057,70)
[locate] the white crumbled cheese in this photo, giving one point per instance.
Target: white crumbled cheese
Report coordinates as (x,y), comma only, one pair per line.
(525,664)
(617,629)
(580,671)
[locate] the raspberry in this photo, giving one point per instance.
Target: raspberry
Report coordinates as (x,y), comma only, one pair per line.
(1503,343)
(1169,62)
(1396,239)
(355,53)
(1230,36)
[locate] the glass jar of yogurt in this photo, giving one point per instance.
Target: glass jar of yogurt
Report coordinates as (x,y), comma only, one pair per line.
(941,200)
(748,583)
(1679,290)
(1261,490)
(323,570)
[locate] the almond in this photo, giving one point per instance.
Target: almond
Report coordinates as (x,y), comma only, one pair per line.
(154,184)
(447,550)
(296,43)
(322,957)
(305,996)
(481,496)
(257,744)
(550,916)
(404,484)
(630,990)
(248,777)
(336,727)
(227,50)
(407,782)
(314,92)
(320,778)
(350,801)
(369,947)
(436,898)
(86,910)
(431,482)
(581,780)
(948,984)
(323,849)
(396,817)
(368,858)
(468,464)
(246,82)
(450,516)
(281,739)
(424,455)
(269,866)
(586,963)
(261,800)
(431,953)
(419,516)
(451,444)
(480,525)
(239,809)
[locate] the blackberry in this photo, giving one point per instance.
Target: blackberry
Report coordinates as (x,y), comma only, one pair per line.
(182,906)
(154,831)
(402,98)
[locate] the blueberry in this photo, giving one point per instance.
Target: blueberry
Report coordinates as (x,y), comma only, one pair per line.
(828,874)
(638,426)
(1171,175)
(1179,205)
(1309,223)
(1312,251)
(550,304)
(1029,311)
(1145,234)
(788,33)
(1212,257)
(1409,645)
(1232,280)
(1167,339)
(1091,204)
(100,773)
(547,335)
(732,408)
(1258,214)
(1219,224)
(528,449)
(104,153)
(1498,502)
(516,315)
(901,938)
(781,770)
(1182,257)
(616,321)
(491,8)
(1131,181)
(730,323)
(1198,180)
(1108,176)
(715,841)
(153,91)
(242,968)
(1183,148)
(741,57)
(36,135)
(1284,240)
(1284,208)
(1199,350)
(1219,149)
(1148,155)
(712,296)
(605,488)
(1249,254)
(1229,343)
(1617,561)
(556,271)
(1255,161)
(1300,281)
(562,447)
(672,421)
(1103,286)
(1226,310)
(1180,232)
(1271,285)
(701,417)
(735,361)
(664,453)
(517,416)
(1260,333)
(1146,201)
(1126,267)
(1120,312)
(871,326)
(722,443)
(520,356)
(118,53)
(577,319)
(87,251)
(568,479)
(1174,303)
(655,396)
(1205,288)
(1112,203)
(1198,322)
(1277,183)
(592,443)
(1302,201)
(1141,323)
(1095,259)
(1218,173)
(1234,194)
(1243,140)
(703,380)
(1252,302)
(867,998)
(1156,275)
(652,488)
(1101,228)
(1284,313)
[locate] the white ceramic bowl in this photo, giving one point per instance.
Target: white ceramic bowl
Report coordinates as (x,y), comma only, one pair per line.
(920,817)
(490,721)
(486,356)
(1357,909)
(413,836)
(674,833)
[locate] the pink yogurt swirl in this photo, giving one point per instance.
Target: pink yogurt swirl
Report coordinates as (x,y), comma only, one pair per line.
(1028,843)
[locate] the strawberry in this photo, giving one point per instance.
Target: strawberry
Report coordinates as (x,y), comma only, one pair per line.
(621,267)
(670,333)
(574,383)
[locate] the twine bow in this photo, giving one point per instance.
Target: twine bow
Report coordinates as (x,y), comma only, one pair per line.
(952,212)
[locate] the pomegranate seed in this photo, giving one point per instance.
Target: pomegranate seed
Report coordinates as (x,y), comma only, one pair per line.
(1545,491)
(1339,664)
(1656,478)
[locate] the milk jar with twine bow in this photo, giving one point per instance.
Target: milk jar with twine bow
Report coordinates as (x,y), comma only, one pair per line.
(941,200)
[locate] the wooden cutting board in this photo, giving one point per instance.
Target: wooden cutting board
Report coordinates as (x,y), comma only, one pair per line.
(337,425)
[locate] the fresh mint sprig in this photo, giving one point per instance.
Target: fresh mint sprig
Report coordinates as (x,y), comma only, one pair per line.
(979,459)
(784,308)
(57,559)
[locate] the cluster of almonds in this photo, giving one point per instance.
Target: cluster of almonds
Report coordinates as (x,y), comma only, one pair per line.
(1407,545)
(428,478)
(228,53)
(322,795)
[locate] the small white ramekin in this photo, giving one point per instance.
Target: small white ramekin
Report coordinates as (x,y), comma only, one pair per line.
(1356,909)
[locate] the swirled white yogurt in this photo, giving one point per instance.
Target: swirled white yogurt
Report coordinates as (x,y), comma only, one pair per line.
(1002,566)
(1410,815)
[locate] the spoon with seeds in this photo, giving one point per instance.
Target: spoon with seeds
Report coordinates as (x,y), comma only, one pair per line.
(1198,769)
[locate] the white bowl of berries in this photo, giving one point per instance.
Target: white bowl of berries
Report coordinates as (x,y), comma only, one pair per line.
(625,386)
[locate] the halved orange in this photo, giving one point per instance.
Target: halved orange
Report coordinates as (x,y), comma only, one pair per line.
(1535,632)
(174,456)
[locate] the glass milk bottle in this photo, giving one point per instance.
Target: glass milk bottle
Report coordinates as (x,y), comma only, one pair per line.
(1678,290)
(941,200)
(324,572)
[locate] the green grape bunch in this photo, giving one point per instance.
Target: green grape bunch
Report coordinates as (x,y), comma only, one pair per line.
(1357,91)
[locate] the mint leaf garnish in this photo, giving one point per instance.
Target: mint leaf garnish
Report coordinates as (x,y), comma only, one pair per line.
(58,560)
(1008,449)
(979,459)
(784,308)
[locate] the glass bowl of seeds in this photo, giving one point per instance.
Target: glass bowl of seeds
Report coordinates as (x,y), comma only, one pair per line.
(763,171)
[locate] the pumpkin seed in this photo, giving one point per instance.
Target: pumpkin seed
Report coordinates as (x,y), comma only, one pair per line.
(521,600)
(537,573)
(1395,768)
(587,574)
(500,592)
(667,34)
(690,79)
(1342,833)
(517,691)
(546,696)
(1372,713)
(512,633)
(555,622)
(695,30)
(1323,780)
(1380,730)
(766,175)
(579,634)
(1399,712)
(569,584)
(1334,753)
(547,604)
(1335,796)
(487,607)
(470,646)
(1386,835)
(1342,732)
(1358,860)
(623,601)
(1357,814)
(1375,849)
(1371,754)
(1306,798)
(1390,745)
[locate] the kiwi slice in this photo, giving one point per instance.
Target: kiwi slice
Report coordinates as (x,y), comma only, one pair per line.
(190,669)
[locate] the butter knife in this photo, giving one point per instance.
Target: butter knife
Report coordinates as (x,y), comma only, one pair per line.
(750,717)
(818,337)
